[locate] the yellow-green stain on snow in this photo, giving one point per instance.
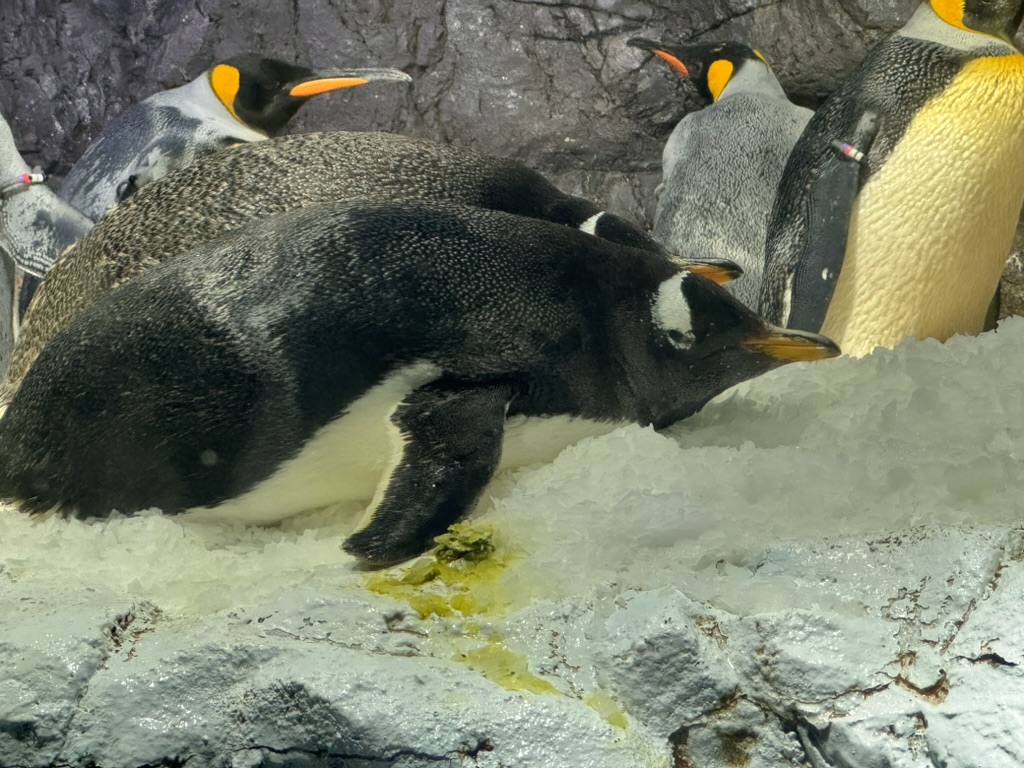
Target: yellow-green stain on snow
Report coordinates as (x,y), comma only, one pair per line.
(460,578)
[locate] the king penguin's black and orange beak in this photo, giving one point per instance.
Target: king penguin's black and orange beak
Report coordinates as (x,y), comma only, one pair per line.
(334,80)
(657,50)
(719,271)
(792,346)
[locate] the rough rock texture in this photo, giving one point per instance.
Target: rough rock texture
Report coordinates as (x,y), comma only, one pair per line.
(549,83)
(918,646)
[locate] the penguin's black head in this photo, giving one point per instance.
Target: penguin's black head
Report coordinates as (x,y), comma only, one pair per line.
(707,341)
(265,94)
(1000,18)
(709,66)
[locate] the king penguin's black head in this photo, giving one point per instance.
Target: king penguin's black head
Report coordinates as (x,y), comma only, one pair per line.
(265,94)
(709,66)
(999,18)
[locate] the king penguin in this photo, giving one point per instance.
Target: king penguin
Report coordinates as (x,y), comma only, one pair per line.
(241,99)
(418,348)
(722,164)
(933,120)
(35,227)
(226,190)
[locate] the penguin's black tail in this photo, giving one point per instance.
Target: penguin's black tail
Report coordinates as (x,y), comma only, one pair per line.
(10,494)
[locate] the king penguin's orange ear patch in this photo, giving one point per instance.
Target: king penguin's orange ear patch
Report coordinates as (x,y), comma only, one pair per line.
(719,74)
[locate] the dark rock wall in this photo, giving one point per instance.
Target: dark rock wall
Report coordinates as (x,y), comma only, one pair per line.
(550,83)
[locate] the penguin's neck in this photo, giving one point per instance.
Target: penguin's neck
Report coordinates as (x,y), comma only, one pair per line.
(754,77)
(925,24)
(34,222)
(197,100)
(36,226)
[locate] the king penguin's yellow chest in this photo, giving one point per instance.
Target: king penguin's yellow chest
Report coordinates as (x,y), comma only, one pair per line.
(931,231)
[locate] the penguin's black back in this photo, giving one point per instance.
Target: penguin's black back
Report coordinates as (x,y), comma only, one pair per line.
(897,78)
(237,352)
(224,191)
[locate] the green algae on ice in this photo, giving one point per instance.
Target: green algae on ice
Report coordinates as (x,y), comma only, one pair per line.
(459,578)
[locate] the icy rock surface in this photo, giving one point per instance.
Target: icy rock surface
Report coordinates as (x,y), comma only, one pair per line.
(822,568)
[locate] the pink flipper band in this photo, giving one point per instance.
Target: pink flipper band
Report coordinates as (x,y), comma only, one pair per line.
(851,152)
(22,180)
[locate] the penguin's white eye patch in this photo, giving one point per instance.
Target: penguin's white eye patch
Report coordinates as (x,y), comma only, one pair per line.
(590,225)
(671,312)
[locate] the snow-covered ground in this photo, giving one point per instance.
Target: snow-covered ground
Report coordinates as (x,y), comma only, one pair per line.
(821,568)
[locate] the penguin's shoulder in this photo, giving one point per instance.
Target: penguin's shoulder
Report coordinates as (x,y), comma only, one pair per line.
(682,144)
(925,27)
(751,122)
(897,78)
(736,141)
(195,105)
(737,116)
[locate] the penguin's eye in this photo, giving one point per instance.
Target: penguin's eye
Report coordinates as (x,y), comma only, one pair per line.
(255,95)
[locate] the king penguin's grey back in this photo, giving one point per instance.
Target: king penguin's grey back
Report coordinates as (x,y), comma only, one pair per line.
(144,139)
(721,168)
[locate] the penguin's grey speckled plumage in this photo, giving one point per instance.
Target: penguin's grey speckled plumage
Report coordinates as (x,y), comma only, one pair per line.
(412,341)
(226,190)
(35,227)
(722,164)
(938,193)
(241,99)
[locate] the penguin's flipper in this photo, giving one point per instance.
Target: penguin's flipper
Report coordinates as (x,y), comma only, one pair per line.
(27,291)
(7,318)
(451,436)
(829,207)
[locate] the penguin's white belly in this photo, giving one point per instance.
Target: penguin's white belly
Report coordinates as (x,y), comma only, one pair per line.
(534,440)
(342,462)
(931,231)
(350,459)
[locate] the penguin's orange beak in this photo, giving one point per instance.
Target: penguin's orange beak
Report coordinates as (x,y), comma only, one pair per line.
(673,62)
(792,346)
(316,87)
(335,80)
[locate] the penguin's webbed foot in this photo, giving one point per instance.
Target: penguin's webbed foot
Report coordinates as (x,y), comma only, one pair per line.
(451,435)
